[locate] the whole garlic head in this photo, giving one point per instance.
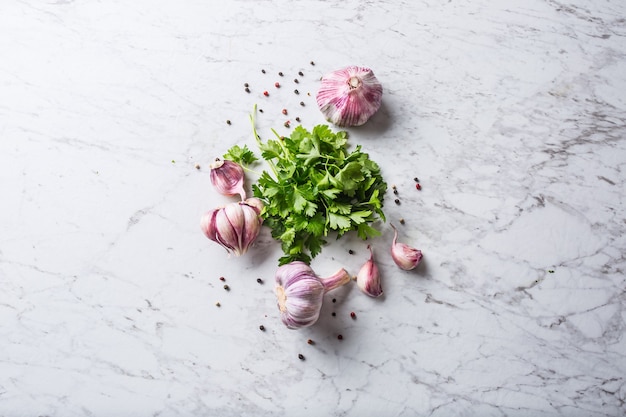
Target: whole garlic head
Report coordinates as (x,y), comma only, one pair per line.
(349,96)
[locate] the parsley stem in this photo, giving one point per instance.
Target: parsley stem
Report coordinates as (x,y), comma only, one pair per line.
(259,143)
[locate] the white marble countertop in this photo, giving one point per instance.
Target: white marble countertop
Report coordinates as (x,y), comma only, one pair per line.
(512,114)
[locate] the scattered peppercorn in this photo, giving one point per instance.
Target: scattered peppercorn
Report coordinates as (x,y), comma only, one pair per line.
(418,186)
(218,304)
(551,271)
(397,201)
(310,342)
(226,287)
(312,63)
(296,91)
(300,356)
(350,251)
(263,71)
(277,85)
(265,93)
(297,119)
(300,73)
(227,122)
(284,111)
(334,300)
(287,123)
(262,328)
(246,85)
(280,73)
(340,337)
(334,314)
(259,280)
(261,110)
(395,191)
(302,103)
(401,221)
(247,90)
(353,315)
(295,80)
(222,279)
(416,179)
(197,166)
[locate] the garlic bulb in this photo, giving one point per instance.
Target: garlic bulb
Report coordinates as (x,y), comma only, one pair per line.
(368,278)
(234,226)
(227,177)
(404,256)
(300,293)
(349,96)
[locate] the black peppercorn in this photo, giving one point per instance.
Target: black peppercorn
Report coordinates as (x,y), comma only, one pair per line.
(300,356)
(280,73)
(259,280)
(300,73)
(262,328)
(397,201)
(296,91)
(226,287)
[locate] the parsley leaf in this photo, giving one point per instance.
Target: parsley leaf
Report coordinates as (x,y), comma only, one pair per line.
(242,156)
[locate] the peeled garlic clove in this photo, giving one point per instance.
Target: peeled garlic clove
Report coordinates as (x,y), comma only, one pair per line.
(227,177)
(349,96)
(403,255)
(235,226)
(300,293)
(368,278)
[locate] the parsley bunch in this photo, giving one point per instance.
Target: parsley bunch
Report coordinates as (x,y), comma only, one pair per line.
(316,187)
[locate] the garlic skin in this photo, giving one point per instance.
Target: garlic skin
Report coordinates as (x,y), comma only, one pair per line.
(349,96)
(235,226)
(404,256)
(227,177)
(368,278)
(300,293)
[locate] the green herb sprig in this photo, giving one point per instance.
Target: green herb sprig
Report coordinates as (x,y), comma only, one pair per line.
(316,187)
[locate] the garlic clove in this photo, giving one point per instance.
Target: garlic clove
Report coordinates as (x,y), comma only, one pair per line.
(404,256)
(368,278)
(251,228)
(349,96)
(207,224)
(300,293)
(255,203)
(230,224)
(227,177)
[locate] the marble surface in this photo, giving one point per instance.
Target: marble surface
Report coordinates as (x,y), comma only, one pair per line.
(512,114)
